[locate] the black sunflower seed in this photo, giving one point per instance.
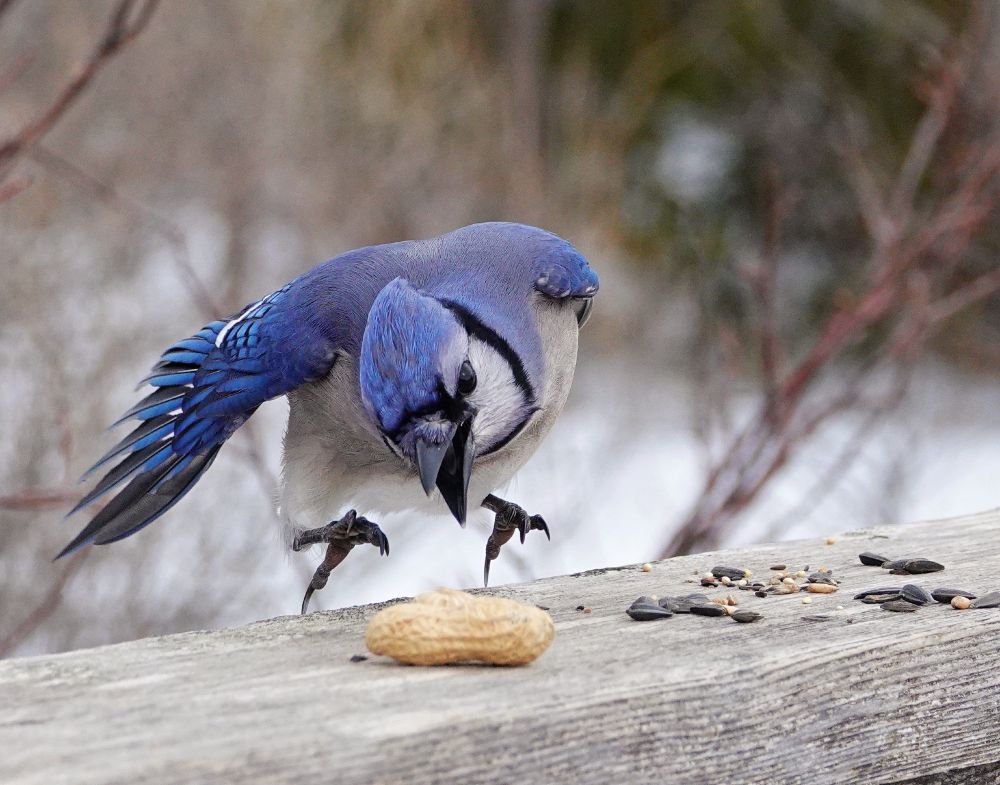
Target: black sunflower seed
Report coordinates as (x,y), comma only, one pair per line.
(878,599)
(945,595)
(711,609)
(900,606)
(991,600)
(779,567)
(746,617)
(916,594)
(880,590)
(733,573)
(647,609)
(921,566)
(761,594)
(872,559)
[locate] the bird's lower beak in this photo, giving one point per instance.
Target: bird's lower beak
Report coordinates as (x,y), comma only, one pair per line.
(449,466)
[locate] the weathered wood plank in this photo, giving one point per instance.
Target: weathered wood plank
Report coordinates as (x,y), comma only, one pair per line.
(866,696)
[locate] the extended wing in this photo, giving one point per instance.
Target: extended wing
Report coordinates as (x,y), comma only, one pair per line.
(205,387)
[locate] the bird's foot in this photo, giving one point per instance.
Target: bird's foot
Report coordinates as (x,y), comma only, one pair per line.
(340,537)
(509,518)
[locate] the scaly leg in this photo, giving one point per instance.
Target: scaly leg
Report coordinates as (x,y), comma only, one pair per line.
(509,518)
(341,536)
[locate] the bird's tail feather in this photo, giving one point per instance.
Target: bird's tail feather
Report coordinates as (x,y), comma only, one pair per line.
(159,470)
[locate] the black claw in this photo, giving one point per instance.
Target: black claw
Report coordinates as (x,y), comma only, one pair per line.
(509,518)
(340,537)
(305,600)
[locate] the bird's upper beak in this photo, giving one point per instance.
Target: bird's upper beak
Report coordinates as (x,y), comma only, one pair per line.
(448,465)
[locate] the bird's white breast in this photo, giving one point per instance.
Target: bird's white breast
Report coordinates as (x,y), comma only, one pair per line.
(335,459)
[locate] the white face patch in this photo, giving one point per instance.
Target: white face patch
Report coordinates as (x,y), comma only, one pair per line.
(499,399)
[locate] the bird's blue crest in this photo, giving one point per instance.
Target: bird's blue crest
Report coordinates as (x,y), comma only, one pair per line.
(411,350)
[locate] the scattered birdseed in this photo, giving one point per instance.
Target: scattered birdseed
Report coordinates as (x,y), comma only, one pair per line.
(743,583)
(960,602)
(870,559)
(725,580)
(733,573)
(647,567)
(788,581)
(990,600)
(912,566)
(821,588)
(645,609)
(916,594)
(878,599)
(800,574)
(358,658)
(900,606)
(746,617)
(778,567)
(831,540)
(580,607)
(946,595)
(760,594)
(588,610)
(880,590)
(710,609)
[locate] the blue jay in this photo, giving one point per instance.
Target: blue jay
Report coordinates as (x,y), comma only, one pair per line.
(419,374)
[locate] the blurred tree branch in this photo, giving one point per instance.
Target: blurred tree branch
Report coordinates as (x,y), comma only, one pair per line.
(124,26)
(897,310)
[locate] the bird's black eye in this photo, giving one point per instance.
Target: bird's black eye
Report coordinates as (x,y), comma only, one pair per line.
(466,379)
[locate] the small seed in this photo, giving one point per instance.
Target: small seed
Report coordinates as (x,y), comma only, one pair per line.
(647,567)
(788,581)
(591,610)
(990,600)
(946,595)
(960,602)
(921,566)
(880,590)
(746,617)
(915,594)
(878,599)
(831,540)
(742,582)
(760,594)
(733,573)
(806,600)
(708,582)
(872,559)
(821,588)
(708,610)
(707,576)
(800,574)
(900,606)
(778,567)
(821,577)
(725,580)
(580,607)
(358,658)
(645,609)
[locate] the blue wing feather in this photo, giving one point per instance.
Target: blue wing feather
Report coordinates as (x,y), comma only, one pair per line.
(205,387)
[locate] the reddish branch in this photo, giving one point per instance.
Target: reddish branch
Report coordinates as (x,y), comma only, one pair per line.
(44,609)
(124,25)
(912,257)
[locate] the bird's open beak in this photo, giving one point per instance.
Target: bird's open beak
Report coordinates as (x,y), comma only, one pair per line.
(449,467)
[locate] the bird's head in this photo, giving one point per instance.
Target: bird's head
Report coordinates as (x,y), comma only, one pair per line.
(416,383)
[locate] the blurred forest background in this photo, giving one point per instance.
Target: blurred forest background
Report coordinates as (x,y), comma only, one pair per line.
(792,206)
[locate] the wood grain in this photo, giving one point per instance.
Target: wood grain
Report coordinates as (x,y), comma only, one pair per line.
(809,695)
